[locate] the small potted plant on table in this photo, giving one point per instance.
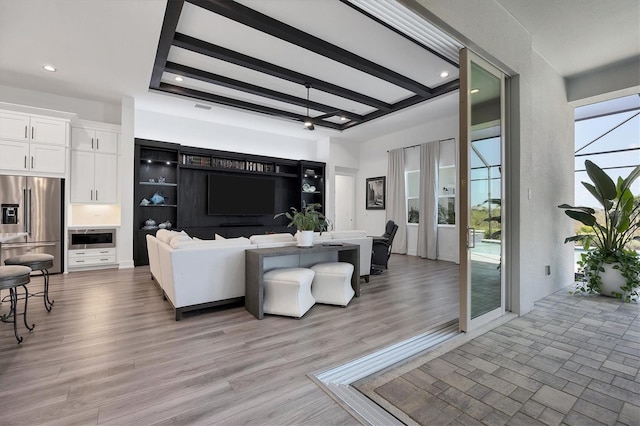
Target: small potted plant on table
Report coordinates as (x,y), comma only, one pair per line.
(306,221)
(612,267)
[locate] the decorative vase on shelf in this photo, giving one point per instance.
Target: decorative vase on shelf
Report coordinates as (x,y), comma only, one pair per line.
(150,222)
(157,198)
(305,239)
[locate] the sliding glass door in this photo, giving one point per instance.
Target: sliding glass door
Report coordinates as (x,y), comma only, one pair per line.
(482,288)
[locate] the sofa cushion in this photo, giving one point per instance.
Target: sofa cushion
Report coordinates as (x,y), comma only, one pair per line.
(272,238)
(229,242)
(178,239)
(318,237)
(347,234)
(165,235)
(218,237)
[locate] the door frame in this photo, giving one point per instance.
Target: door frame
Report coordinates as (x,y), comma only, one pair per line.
(466,322)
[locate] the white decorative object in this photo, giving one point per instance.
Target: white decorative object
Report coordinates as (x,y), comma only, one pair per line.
(332,283)
(305,239)
(612,280)
(287,291)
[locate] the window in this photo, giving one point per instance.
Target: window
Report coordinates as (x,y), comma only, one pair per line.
(447,195)
(412,182)
(607,133)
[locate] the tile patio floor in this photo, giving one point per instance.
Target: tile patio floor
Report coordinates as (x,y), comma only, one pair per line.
(573,360)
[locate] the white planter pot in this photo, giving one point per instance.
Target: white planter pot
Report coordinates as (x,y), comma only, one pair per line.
(305,238)
(612,280)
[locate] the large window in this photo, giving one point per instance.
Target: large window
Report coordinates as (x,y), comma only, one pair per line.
(607,133)
(412,179)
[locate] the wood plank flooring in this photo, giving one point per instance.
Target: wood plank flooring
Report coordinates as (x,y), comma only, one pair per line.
(110,351)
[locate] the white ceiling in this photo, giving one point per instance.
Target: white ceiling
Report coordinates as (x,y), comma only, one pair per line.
(105,50)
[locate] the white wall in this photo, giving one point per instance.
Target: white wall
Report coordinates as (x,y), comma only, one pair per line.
(542,158)
(85,109)
(204,134)
(373,162)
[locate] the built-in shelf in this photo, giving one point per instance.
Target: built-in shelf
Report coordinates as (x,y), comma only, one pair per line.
(158,205)
(158,184)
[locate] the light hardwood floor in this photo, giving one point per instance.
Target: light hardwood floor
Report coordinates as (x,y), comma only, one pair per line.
(110,351)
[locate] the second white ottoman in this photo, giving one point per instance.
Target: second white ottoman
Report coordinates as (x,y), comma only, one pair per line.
(332,283)
(287,291)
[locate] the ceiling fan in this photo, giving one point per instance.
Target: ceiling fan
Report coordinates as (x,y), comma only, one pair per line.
(309,121)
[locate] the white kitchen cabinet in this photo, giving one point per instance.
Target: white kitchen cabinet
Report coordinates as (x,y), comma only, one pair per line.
(93,177)
(26,128)
(33,144)
(92,258)
(32,157)
(87,139)
(94,162)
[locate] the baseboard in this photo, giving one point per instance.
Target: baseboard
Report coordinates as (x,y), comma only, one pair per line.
(126,264)
(448,258)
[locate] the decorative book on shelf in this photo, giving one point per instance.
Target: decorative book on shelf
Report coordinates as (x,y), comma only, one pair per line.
(196,160)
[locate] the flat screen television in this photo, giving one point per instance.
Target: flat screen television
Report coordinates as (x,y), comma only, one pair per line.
(233,195)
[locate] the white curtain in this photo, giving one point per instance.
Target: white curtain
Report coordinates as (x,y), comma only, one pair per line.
(396,208)
(428,226)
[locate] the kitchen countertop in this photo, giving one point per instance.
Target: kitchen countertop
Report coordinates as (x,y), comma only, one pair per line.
(72,227)
(9,236)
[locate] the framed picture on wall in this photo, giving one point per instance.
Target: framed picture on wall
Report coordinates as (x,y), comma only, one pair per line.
(376,193)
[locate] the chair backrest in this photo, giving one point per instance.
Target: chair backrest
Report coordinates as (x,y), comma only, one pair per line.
(394,229)
(390,230)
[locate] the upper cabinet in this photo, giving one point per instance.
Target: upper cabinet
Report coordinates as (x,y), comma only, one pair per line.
(94,162)
(87,139)
(33,144)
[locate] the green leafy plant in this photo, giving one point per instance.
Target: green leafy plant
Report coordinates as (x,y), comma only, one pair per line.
(610,235)
(308,219)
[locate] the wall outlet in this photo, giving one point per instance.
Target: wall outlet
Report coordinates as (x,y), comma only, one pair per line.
(547,270)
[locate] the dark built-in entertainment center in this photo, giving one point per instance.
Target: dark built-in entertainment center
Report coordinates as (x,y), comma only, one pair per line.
(206,192)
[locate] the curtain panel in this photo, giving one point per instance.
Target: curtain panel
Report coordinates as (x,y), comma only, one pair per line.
(428,225)
(396,199)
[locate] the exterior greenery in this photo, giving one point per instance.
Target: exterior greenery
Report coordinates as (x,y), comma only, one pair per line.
(610,233)
(306,220)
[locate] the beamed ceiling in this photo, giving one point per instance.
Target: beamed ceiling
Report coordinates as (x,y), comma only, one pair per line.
(333,61)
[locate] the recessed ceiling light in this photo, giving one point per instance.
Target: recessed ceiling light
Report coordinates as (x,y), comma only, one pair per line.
(444,74)
(179,78)
(474,91)
(343,118)
(49,68)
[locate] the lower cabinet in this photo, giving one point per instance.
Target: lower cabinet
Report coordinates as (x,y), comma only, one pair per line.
(92,258)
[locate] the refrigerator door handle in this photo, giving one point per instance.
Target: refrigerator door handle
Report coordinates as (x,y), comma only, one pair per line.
(29,213)
(25,209)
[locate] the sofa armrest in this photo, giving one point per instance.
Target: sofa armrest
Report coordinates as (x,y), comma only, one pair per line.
(154,261)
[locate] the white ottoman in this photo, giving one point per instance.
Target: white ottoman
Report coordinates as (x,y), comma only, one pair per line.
(287,291)
(332,283)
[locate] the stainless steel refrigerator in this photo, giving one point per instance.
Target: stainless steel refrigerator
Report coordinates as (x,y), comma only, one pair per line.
(33,205)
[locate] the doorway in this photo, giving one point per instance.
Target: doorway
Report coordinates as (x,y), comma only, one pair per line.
(344,201)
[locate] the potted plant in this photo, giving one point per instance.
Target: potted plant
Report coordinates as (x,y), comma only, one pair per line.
(306,221)
(611,268)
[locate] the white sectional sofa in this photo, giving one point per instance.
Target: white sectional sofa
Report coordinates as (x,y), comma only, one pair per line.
(196,274)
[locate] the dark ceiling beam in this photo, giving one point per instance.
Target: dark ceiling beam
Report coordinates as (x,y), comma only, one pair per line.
(218,52)
(169,25)
(413,100)
(247,16)
(236,103)
(230,83)
(400,33)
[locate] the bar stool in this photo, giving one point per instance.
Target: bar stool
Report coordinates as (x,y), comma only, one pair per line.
(10,278)
(37,262)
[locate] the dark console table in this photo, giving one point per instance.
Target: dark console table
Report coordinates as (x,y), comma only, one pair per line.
(296,257)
